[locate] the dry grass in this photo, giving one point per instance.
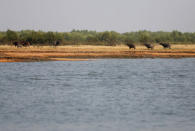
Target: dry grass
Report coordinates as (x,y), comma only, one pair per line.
(84,52)
(91,47)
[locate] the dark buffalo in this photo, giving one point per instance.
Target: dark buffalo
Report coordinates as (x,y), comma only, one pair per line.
(149,46)
(56,43)
(130,45)
(17,44)
(165,45)
(26,44)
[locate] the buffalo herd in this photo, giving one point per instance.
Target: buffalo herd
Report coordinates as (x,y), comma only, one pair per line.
(150,46)
(21,44)
(57,43)
(27,43)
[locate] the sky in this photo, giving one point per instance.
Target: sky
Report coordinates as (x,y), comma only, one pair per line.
(99,15)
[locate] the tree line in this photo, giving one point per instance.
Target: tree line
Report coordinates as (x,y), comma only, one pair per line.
(109,38)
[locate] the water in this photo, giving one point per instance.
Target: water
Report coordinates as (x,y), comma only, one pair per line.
(98,95)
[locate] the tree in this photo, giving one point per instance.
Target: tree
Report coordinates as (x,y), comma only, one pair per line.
(177,36)
(59,36)
(25,35)
(128,40)
(144,37)
(38,37)
(111,38)
(92,38)
(2,37)
(11,35)
(49,37)
(76,37)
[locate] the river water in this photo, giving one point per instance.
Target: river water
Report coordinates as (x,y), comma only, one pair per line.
(98,95)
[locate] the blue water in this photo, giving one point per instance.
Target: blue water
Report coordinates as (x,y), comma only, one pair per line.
(98,95)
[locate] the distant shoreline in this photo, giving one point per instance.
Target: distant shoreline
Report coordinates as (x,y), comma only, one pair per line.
(87,52)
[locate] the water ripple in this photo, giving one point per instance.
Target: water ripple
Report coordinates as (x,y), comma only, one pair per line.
(114,94)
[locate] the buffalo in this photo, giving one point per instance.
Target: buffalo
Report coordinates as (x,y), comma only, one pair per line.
(26,44)
(17,44)
(165,45)
(130,45)
(149,46)
(56,43)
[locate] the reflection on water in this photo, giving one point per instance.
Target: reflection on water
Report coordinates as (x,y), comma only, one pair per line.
(99,95)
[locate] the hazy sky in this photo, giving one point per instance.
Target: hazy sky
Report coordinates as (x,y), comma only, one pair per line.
(99,15)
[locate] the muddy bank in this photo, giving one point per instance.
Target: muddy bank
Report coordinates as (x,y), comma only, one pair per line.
(80,53)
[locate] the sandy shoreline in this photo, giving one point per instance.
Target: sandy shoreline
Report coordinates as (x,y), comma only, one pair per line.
(84,52)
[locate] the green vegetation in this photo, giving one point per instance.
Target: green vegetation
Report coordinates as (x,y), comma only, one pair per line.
(110,38)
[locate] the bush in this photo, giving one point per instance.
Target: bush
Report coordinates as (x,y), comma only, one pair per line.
(109,38)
